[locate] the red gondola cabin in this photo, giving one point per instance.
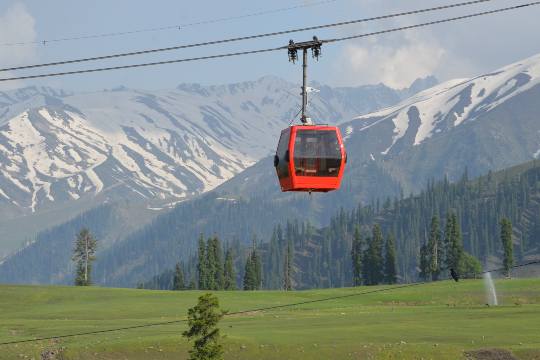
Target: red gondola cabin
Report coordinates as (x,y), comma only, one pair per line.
(310,158)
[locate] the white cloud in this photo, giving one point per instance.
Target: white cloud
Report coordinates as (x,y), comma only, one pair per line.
(453,50)
(396,62)
(16,25)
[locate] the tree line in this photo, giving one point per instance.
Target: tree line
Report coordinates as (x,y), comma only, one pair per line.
(443,251)
(372,259)
(447,226)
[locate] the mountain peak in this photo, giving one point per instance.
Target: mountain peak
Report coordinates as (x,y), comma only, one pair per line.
(421,84)
(455,102)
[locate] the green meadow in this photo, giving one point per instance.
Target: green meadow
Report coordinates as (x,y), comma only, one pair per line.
(443,320)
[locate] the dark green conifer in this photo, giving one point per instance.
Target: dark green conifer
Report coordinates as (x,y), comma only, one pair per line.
(214,255)
(287,269)
(390,268)
(256,266)
(202,265)
(178,280)
(506,240)
(83,256)
(229,276)
(203,330)
(435,249)
(425,273)
(356,256)
(374,258)
(249,274)
(455,250)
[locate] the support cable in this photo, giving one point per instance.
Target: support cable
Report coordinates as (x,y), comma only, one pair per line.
(266,308)
(500,10)
(170,27)
(243,38)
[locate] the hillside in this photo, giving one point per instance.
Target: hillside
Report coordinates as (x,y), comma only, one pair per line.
(322,254)
(497,128)
(483,124)
(63,153)
(489,122)
(321,257)
(440,321)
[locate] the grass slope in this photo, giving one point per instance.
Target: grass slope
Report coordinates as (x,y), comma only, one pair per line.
(431,321)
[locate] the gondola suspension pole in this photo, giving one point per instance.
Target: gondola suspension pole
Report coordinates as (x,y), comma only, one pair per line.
(303,118)
(315,46)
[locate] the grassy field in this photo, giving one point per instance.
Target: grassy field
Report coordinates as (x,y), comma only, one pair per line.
(433,321)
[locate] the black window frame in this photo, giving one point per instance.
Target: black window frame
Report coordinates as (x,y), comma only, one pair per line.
(282,155)
(322,159)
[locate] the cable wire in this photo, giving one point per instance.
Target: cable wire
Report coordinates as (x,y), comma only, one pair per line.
(243,38)
(199,58)
(170,27)
(266,308)
(500,10)
(535,262)
(516,7)
(226,314)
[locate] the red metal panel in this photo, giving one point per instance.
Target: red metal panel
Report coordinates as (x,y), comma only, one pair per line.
(311,183)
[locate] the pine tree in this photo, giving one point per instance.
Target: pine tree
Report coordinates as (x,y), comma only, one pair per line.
(273,272)
(287,269)
(178,280)
(506,239)
(447,241)
(435,249)
(366,263)
(202,321)
(249,274)
(214,260)
(390,271)
(471,266)
(211,283)
(256,266)
(229,276)
(455,250)
(192,284)
(425,273)
(374,257)
(83,256)
(202,267)
(356,257)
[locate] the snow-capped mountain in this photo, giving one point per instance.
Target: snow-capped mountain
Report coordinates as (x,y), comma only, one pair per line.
(163,145)
(63,150)
(484,123)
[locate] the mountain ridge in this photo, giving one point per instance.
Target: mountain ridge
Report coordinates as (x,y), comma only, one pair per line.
(498,137)
(62,150)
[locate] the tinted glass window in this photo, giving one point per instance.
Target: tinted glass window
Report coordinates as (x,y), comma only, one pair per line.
(282,154)
(317,153)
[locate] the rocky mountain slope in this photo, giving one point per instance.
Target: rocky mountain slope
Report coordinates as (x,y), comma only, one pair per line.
(486,123)
(62,153)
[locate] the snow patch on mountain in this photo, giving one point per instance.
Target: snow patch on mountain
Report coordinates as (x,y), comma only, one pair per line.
(455,102)
(164,145)
(161,146)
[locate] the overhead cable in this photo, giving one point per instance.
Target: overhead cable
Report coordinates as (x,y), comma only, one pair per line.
(242,38)
(170,27)
(260,309)
(200,58)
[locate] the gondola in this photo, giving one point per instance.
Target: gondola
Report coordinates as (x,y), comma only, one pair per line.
(309,157)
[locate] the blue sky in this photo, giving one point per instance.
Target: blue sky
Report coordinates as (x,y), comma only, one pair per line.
(459,49)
